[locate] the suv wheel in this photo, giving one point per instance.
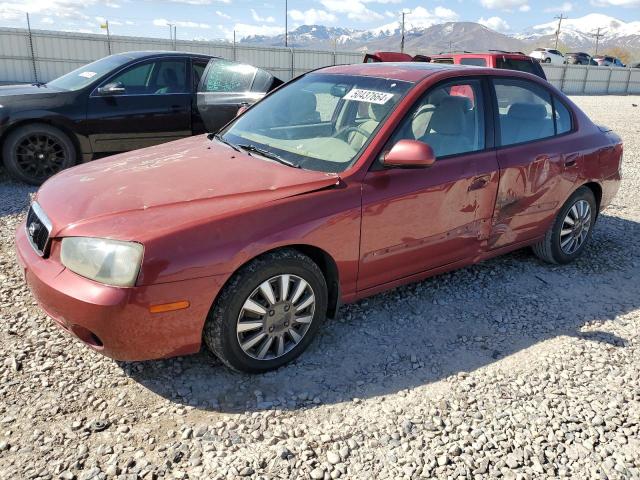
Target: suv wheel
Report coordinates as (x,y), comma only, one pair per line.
(268,313)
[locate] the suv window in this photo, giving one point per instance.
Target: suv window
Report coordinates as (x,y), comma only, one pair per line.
(450,118)
(157,77)
(525,111)
(443,60)
(516,64)
(478,62)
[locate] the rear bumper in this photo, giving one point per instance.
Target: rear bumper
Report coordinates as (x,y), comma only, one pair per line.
(116,321)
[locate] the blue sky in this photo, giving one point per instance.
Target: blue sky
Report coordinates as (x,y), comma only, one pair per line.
(216,19)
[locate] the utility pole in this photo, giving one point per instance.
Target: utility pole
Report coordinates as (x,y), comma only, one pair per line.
(598,36)
(286,22)
(170,25)
(404,12)
(175,37)
(559,18)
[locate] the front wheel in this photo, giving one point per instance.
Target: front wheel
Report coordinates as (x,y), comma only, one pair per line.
(268,313)
(571,231)
(35,152)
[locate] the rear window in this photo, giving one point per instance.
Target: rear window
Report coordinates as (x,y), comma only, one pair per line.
(516,64)
(478,62)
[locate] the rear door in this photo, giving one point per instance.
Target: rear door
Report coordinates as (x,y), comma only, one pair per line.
(537,157)
(151,104)
(226,86)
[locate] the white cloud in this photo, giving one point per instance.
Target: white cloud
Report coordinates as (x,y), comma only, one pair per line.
(353,9)
(312,16)
(200,2)
(245,30)
(508,5)
(495,23)
(258,18)
(161,22)
(223,15)
(564,8)
(616,3)
(421,17)
(57,8)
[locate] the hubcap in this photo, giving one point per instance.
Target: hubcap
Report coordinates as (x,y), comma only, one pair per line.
(275,317)
(40,155)
(575,227)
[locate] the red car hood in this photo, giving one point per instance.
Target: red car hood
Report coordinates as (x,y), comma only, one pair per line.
(190,171)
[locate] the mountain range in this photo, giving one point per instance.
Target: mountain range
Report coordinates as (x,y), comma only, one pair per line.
(575,34)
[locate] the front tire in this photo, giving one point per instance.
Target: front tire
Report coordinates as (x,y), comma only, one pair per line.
(32,153)
(268,313)
(571,231)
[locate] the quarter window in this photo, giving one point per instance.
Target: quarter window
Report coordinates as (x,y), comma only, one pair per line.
(449,118)
(478,62)
(563,117)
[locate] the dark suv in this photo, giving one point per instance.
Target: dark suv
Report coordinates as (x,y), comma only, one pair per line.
(579,58)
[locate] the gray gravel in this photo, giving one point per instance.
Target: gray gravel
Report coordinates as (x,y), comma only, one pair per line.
(509,369)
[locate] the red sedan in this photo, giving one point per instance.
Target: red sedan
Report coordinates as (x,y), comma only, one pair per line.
(346,182)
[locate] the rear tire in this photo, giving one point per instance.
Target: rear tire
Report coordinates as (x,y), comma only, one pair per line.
(566,241)
(257,324)
(33,153)
(547,60)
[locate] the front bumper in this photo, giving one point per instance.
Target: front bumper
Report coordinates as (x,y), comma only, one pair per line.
(116,321)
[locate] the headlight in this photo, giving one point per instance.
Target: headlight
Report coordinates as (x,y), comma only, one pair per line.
(107,261)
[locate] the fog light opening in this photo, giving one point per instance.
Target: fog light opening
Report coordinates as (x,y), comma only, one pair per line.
(87,336)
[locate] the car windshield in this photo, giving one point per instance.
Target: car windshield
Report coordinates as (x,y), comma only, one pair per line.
(319,122)
(83,76)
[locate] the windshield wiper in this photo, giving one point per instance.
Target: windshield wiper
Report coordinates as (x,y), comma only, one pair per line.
(268,154)
(219,138)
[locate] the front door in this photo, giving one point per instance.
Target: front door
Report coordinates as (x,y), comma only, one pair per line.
(146,104)
(415,220)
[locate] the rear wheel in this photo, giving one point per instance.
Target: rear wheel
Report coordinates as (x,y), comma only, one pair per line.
(547,60)
(33,153)
(268,313)
(571,231)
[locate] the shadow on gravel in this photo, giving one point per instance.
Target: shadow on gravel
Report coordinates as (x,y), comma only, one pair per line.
(16,196)
(422,333)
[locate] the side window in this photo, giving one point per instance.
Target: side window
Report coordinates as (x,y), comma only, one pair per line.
(450,118)
(563,117)
(197,70)
(171,77)
(442,60)
(225,76)
(137,77)
(160,77)
(525,111)
(478,62)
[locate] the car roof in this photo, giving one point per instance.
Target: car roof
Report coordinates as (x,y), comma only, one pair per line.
(135,55)
(496,53)
(411,71)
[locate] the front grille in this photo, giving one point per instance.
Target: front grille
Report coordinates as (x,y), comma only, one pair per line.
(38,229)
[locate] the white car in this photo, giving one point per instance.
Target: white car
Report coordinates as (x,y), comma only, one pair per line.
(548,55)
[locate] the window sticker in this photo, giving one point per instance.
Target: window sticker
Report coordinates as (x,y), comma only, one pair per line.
(87,74)
(369,96)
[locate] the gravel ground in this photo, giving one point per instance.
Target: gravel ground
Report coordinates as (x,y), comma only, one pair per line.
(511,368)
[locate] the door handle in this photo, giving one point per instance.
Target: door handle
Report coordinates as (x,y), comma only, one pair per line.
(571,160)
(175,108)
(479,182)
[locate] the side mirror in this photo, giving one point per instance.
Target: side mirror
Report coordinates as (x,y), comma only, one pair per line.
(409,153)
(115,88)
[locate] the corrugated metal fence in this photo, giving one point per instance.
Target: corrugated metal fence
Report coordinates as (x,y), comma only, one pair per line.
(45,55)
(591,80)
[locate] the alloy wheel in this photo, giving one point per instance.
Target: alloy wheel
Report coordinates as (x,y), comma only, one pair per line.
(275,317)
(40,155)
(575,227)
